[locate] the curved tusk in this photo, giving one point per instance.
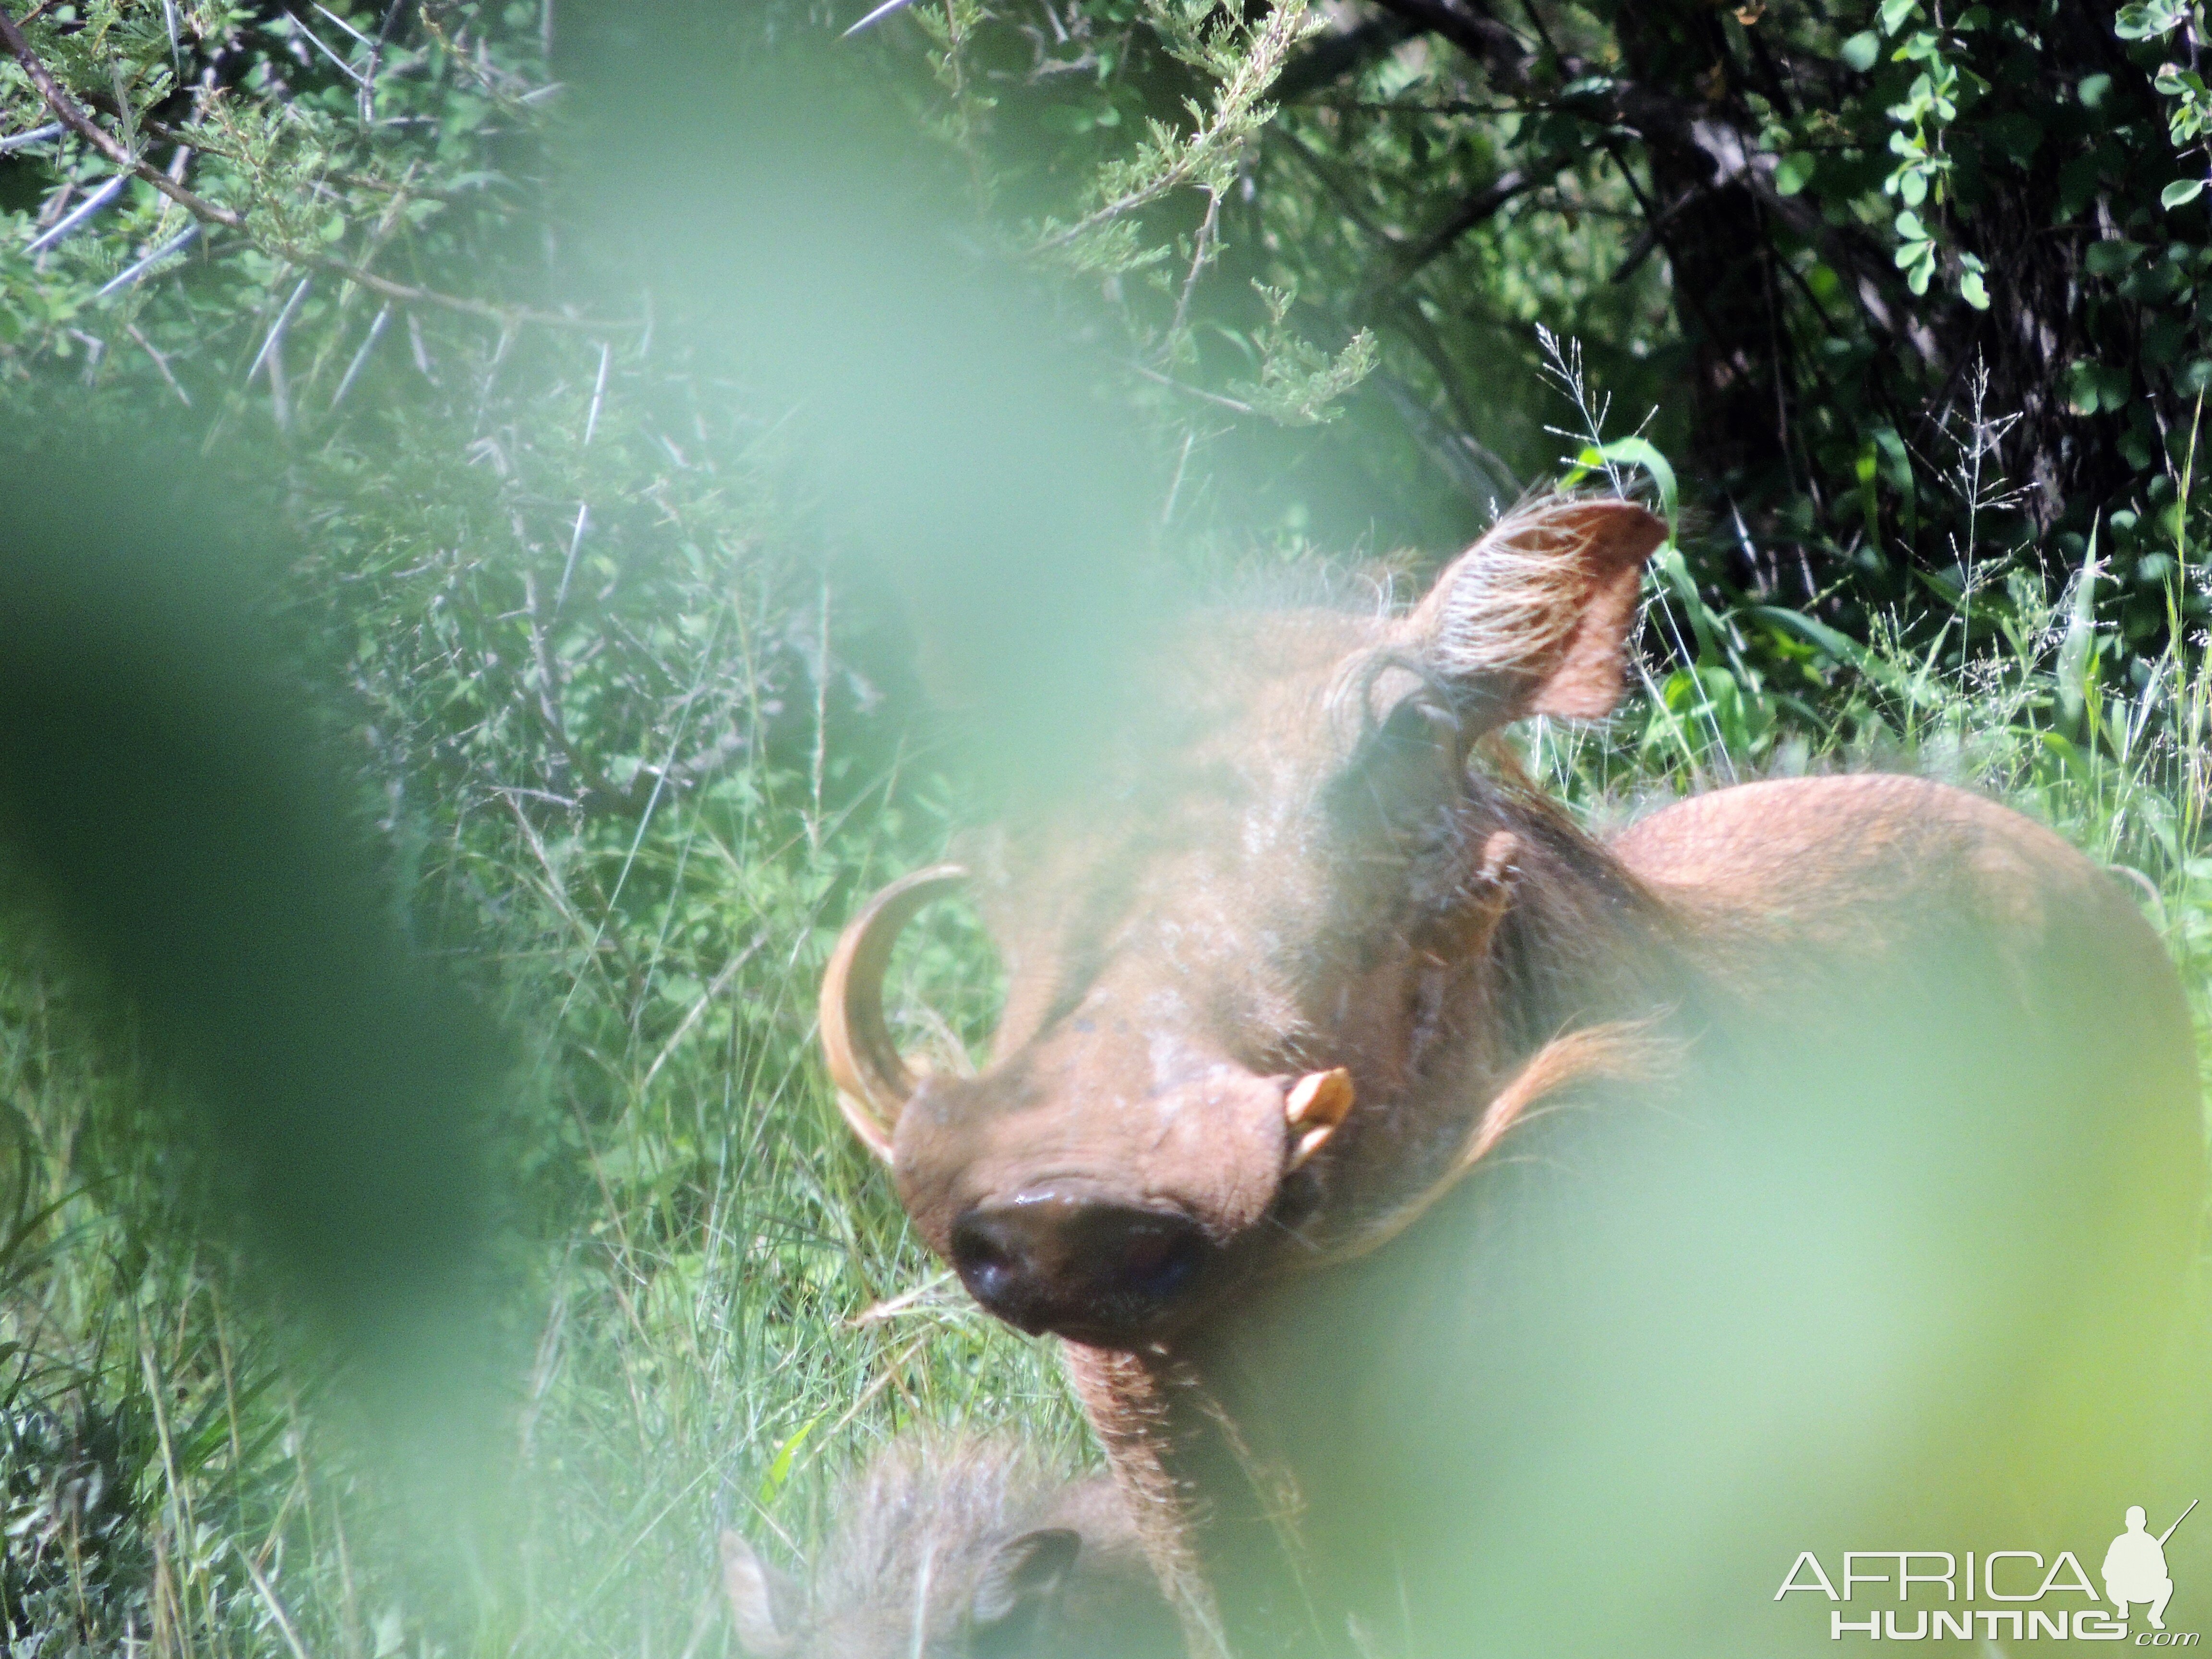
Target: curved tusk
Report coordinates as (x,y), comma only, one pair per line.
(872,1081)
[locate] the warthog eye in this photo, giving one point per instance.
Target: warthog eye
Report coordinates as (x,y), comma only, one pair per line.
(1406,766)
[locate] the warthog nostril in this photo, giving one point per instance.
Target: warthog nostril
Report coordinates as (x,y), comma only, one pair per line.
(1050,1261)
(990,1269)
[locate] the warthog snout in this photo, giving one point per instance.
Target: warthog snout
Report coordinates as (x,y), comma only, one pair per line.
(1114,1226)
(1054,1259)
(1244,960)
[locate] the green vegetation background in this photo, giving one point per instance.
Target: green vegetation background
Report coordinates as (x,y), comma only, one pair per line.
(1898,307)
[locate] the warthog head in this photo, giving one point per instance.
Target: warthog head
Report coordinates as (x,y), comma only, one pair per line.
(1244,966)
(960,1550)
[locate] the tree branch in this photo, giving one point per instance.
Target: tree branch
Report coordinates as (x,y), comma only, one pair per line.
(1335,55)
(1484,38)
(1477,207)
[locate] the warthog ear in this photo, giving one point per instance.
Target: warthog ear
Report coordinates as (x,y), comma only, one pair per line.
(761,1601)
(1018,1586)
(1532,619)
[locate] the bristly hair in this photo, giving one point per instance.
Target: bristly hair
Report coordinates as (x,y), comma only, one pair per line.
(1378,585)
(1502,613)
(930,1506)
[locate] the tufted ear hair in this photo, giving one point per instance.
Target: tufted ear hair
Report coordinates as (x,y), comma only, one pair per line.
(1534,618)
(759,1600)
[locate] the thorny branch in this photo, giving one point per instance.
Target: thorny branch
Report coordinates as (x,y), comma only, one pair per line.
(1237,113)
(72,115)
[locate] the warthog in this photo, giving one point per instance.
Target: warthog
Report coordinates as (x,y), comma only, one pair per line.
(963,1550)
(1471,1236)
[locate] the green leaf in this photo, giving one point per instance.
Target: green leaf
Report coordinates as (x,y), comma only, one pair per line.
(2147,19)
(1639,451)
(1861,49)
(2110,259)
(1894,12)
(2181,193)
(1912,187)
(1910,227)
(780,1470)
(1840,646)
(2081,386)
(1794,172)
(1971,290)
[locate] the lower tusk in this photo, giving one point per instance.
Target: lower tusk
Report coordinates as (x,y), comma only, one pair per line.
(1316,1105)
(1309,1144)
(1321,1100)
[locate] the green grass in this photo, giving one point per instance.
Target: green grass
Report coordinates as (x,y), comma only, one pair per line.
(709,1304)
(714,1302)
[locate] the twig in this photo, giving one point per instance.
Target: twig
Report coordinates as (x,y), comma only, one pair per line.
(1152,373)
(598,393)
(1353,209)
(174,245)
(575,546)
(1175,486)
(277,329)
(891,1307)
(596,783)
(340,63)
(360,357)
(1201,254)
(161,361)
(35,136)
(885,11)
(95,348)
(417,351)
(1234,116)
(82,211)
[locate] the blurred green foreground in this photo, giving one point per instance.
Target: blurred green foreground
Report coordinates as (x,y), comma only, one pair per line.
(437,745)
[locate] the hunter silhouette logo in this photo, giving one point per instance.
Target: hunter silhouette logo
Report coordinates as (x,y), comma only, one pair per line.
(1936,1595)
(2135,1567)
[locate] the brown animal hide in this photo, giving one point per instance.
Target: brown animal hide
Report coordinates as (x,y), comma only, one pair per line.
(1473,1238)
(959,1550)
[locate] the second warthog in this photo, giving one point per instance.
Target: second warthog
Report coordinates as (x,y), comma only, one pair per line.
(958,1549)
